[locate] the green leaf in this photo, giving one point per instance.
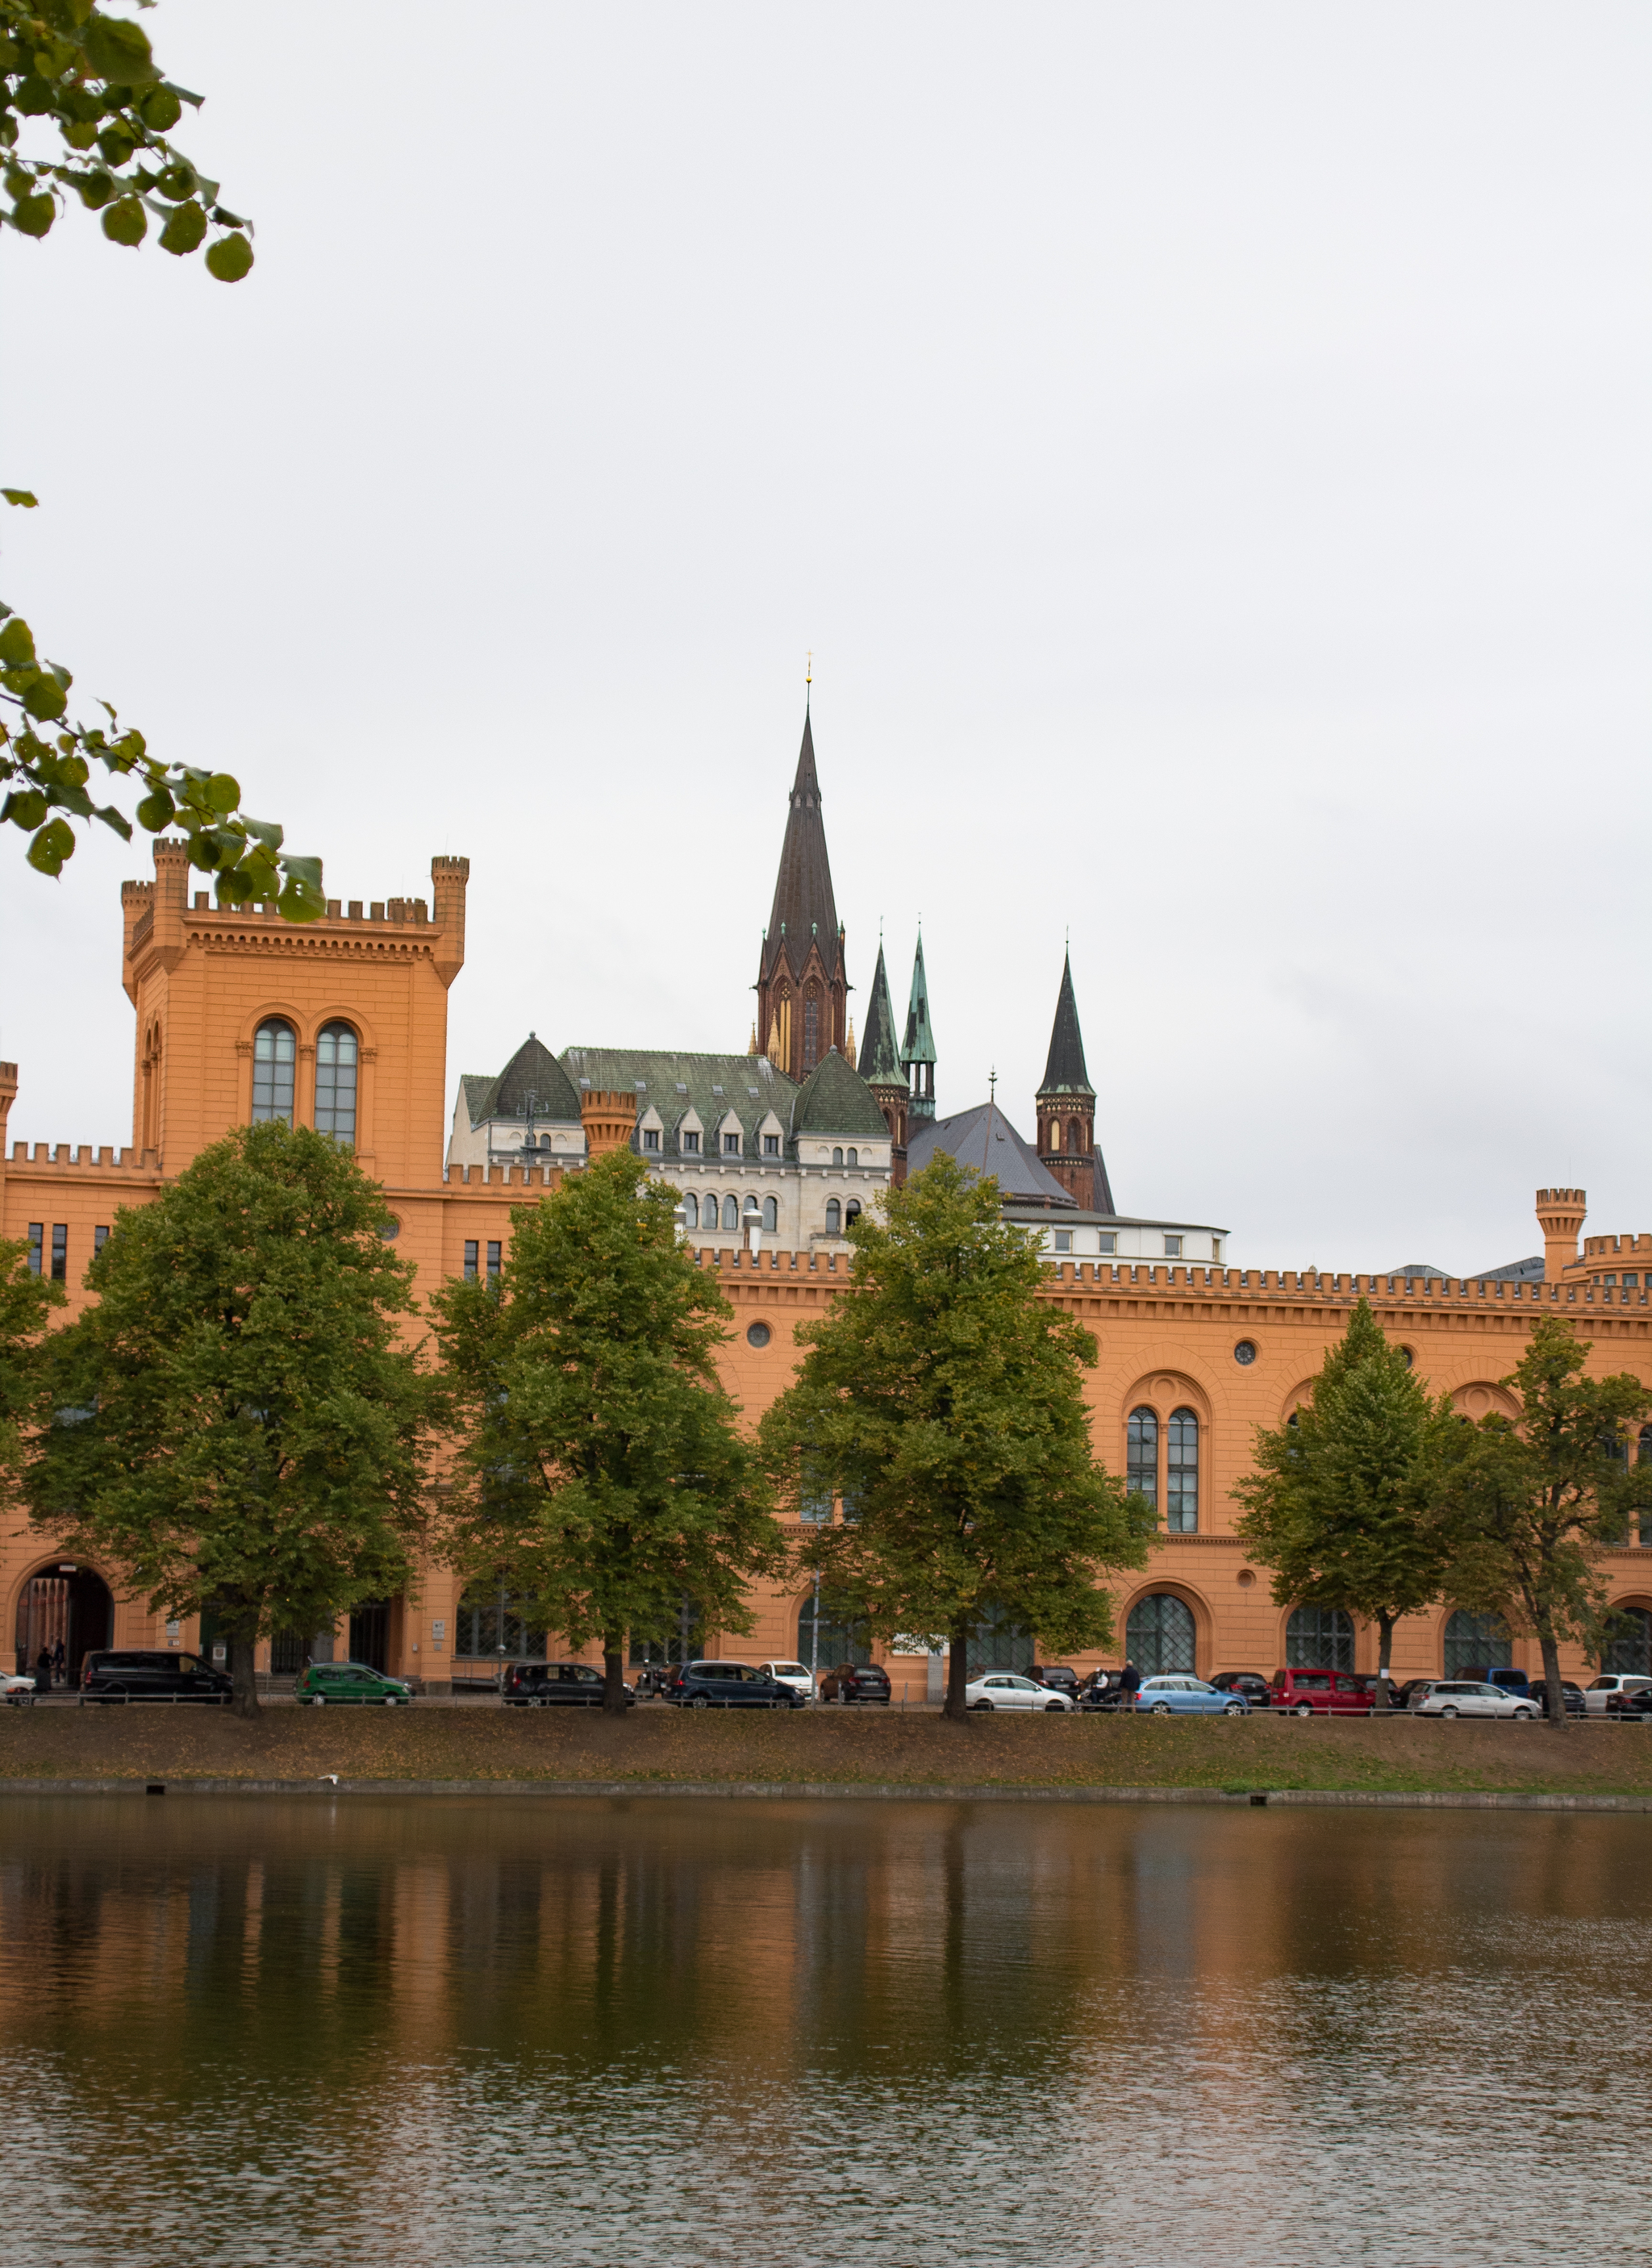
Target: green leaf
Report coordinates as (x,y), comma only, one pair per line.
(44,696)
(119,51)
(96,188)
(55,843)
(34,215)
(27,498)
(160,109)
(177,182)
(17,644)
(184,230)
(229,259)
(126,222)
(117,820)
(264,831)
(222,792)
(25,808)
(156,811)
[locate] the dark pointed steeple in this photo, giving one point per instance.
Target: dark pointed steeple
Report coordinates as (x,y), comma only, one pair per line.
(917,1049)
(802,987)
(1067,1146)
(880,1066)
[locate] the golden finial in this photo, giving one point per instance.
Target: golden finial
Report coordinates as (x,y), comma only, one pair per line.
(851,1039)
(752,1050)
(808,671)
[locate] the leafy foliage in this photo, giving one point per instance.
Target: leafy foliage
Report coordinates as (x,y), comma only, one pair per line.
(25,1300)
(1531,1504)
(1337,1507)
(240,1424)
(941,1399)
(603,1470)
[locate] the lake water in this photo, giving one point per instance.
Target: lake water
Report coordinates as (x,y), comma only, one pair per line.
(552,2031)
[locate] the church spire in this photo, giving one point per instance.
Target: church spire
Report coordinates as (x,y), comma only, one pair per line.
(880,1066)
(1065,1073)
(802,987)
(918,1049)
(1067,1146)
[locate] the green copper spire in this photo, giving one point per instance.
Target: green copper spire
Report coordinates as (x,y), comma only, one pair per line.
(880,1064)
(918,1051)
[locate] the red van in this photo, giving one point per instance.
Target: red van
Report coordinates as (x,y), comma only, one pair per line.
(1320,1693)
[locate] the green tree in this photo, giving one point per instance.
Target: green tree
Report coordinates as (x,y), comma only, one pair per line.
(941,1398)
(240,1422)
(25,1300)
(604,1469)
(1530,1503)
(93,78)
(1337,1509)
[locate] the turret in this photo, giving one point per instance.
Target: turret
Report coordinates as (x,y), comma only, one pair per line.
(917,1049)
(880,1066)
(1560,1215)
(1066,1109)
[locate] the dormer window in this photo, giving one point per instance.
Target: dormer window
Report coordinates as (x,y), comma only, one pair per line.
(730,1146)
(770,1145)
(650,1138)
(691,1140)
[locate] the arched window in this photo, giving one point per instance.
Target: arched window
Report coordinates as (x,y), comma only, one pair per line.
(1645,1456)
(544,1141)
(851,1211)
(751,1209)
(1141,1455)
(1159,1636)
(771,1216)
(274,1053)
(854,1156)
(335,1082)
(731,1212)
(1181,1473)
(1475,1642)
(833,1216)
(1629,1655)
(1075,1137)
(834,1638)
(838,1157)
(1319,1638)
(691,1211)
(999,1642)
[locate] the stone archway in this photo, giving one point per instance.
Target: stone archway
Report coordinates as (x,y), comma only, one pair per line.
(65,1603)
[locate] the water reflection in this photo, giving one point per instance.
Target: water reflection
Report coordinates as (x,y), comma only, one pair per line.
(903,2034)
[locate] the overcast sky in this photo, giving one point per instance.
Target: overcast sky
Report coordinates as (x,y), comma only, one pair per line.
(1204,445)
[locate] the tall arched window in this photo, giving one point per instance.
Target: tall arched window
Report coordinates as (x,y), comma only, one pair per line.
(691,1211)
(1075,1138)
(833,1216)
(731,1213)
(335,1082)
(752,1211)
(1181,1473)
(811,1033)
(1630,1652)
(1141,1454)
(274,1053)
(771,1216)
(835,1637)
(1159,1636)
(1475,1642)
(838,1157)
(1319,1638)
(851,1211)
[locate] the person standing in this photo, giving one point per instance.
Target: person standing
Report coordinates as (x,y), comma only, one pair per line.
(1130,1685)
(58,1659)
(43,1670)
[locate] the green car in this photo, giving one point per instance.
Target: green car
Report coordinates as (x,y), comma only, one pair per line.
(351,1681)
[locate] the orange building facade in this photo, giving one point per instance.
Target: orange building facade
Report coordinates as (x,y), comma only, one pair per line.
(1192,1358)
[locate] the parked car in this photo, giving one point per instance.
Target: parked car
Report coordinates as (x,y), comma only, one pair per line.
(1056,1676)
(727,1685)
(17,1693)
(1166,1697)
(1412,1689)
(1631,1708)
(793,1673)
(1470,1697)
(557,1685)
(133,1675)
(1571,1694)
(1003,1689)
(856,1681)
(1597,1695)
(1251,1682)
(1320,1693)
(344,1683)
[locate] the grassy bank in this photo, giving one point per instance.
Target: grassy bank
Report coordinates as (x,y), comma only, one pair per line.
(654,1744)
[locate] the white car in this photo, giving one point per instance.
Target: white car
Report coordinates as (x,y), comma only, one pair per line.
(997,1688)
(1596,1696)
(793,1673)
(18,1691)
(1459,1696)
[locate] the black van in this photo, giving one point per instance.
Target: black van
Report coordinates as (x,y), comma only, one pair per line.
(152,1677)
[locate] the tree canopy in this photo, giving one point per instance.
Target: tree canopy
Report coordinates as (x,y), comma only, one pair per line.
(239,1424)
(1337,1507)
(602,1470)
(941,1399)
(27,1298)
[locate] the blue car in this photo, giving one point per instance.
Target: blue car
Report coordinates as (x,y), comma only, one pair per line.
(1168,1697)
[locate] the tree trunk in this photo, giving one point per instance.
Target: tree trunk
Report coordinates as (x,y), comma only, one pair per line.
(958,1674)
(1384,1655)
(243,1655)
(1552,1679)
(613,1674)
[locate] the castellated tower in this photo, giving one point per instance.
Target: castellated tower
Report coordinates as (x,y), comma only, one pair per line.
(1560,1216)
(802,986)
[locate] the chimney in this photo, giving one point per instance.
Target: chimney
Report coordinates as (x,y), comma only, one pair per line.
(1560,1214)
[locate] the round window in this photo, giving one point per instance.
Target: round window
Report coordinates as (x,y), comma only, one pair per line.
(390,1229)
(1245,1352)
(1409,1356)
(758,1335)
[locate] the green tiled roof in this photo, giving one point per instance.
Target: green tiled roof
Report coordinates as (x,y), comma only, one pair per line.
(671,1082)
(834,1099)
(531,1071)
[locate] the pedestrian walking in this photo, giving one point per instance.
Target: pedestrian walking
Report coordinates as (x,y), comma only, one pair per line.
(57,1662)
(43,1670)
(1130,1684)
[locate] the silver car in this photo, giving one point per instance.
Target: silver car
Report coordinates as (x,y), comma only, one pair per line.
(1460,1696)
(997,1688)
(1597,1695)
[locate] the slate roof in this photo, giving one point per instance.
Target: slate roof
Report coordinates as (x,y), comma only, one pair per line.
(533,1070)
(834,1099)
(919,1046)
(1065,1073)
(1420,1268)
(880,1058)
(985,1140)
(1514,1272)
(671,1081)
(804,906)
